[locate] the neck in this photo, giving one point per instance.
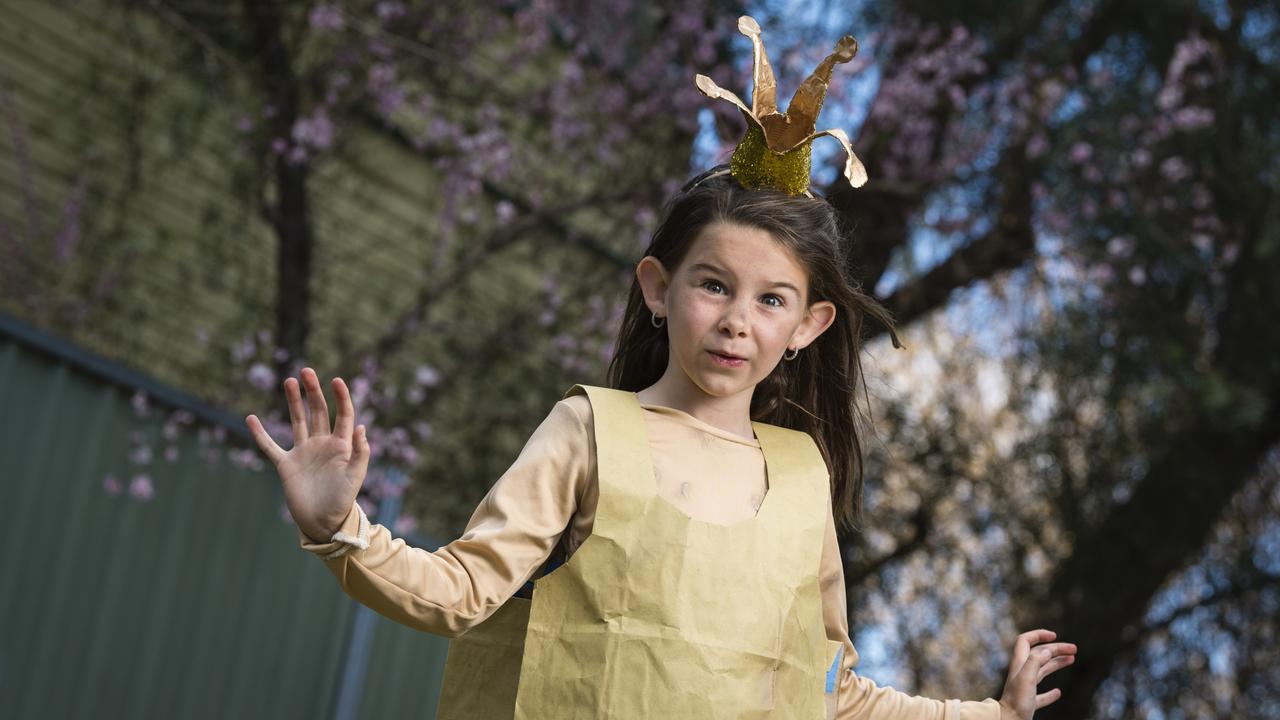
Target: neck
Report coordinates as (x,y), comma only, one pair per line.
(731,413)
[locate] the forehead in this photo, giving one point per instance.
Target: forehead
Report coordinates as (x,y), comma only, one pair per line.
(746,251)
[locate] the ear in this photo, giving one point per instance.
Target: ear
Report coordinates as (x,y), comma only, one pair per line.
(819,317)
(654,281)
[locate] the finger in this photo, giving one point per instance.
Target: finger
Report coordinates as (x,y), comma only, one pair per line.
(315,399)
(346,411)
(297,415)
(1053,666)
(1052,650)
(1043,661)
(268,446)
(360,454)
(1022,647)
(1046,698)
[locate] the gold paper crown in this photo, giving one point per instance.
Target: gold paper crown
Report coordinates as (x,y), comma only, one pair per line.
(777,148)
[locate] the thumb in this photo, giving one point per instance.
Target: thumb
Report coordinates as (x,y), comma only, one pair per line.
(360,454)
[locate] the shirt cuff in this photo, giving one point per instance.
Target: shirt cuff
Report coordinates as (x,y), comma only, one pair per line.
(988,709)
(353,534)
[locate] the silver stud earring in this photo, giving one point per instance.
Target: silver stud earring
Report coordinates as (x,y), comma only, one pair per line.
(794,352)
(657,321)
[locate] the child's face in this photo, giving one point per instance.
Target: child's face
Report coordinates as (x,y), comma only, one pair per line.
(737,291)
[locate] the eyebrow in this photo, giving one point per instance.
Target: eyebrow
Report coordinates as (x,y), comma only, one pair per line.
(721,271)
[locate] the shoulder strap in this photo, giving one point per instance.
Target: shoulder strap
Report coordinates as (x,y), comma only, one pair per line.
(623,463)
(795,466)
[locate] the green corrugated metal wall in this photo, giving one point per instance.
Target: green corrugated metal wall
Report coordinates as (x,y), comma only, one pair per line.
(197,603)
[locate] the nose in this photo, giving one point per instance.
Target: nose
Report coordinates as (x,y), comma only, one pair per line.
(734,320)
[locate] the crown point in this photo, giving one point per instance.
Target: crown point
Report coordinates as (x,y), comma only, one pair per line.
(846,48)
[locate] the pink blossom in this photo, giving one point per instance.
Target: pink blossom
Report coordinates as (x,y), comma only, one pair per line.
(261,377)
(247,458)
(1137,275)
(389,10)
(505,211)
(1080,152)
(243,350)
(316,130)
(141,488)
(1037,146)
(140,407)
(1192,118)
(1175,169)
(111,484)
(422,428)
(1169,97)
(427,375)
(1229,252)
(1120,246)
(405,524)
(410,455)
(326,16)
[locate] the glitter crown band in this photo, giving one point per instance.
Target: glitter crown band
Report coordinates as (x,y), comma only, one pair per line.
(777,148)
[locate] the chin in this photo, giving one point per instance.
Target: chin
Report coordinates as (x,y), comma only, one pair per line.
(719,386)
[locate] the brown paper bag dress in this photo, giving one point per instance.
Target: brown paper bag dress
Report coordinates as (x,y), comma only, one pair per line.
(658,615)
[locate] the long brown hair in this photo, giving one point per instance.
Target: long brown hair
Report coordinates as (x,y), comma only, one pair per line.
(814,393)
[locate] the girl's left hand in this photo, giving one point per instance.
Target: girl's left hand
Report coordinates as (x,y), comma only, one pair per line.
(1027,668)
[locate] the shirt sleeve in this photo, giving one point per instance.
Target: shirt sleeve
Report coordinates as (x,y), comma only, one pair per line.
(857,697)
(510,534)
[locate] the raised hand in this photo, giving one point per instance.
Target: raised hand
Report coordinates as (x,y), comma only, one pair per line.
(1027,668)
(323,471)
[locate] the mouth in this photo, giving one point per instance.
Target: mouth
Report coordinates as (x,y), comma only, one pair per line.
(726,359)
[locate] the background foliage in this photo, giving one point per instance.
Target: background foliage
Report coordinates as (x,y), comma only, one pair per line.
(1071,211)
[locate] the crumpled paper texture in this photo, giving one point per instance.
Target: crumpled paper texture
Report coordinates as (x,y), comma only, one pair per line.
(661,615)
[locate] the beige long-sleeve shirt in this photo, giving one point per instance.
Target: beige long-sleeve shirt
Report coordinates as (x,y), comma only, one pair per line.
(544,505)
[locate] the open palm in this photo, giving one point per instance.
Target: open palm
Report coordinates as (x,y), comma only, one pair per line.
(323,471)
(1027,667)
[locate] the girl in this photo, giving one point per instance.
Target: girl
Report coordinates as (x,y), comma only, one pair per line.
(740,324)
(666,546)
